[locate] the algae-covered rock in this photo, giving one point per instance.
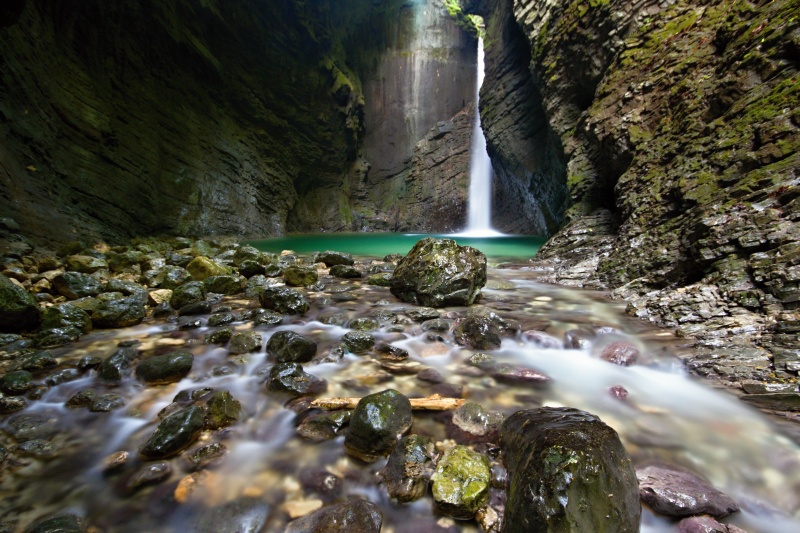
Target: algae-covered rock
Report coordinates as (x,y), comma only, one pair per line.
(228,284)
(174,434)
(167,368)
(323,426)
(460,484)
(117,366)
(291,347)
(377,422)
(16,383)
(283,300)
(332,259)
(568,471)
(202,267)
(118,313)
(190,292)
(344,272)
(291,378)
(355,516)
(478,333)
(406,473)
(358,341)
(18,309)
(66,314)
(245,342)
(439,273)
(222,410)
(300,276)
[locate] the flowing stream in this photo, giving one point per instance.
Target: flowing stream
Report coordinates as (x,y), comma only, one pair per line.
(668,416)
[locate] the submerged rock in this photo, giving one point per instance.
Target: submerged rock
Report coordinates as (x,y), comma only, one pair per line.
(167,368)
(377,422)
(460,484)
(406,474)
(291,347)
(677,494)
(18,309)
(568,471)
(472,423)
(620,353)
(705,524)
(439,273)
(354,516)
(174,434)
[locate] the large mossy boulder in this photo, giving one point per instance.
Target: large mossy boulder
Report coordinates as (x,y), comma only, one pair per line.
(460,484)
(568,472)
(175,433)
(377,422)
(167,368)
(18,309)
(202,267)
(439,273)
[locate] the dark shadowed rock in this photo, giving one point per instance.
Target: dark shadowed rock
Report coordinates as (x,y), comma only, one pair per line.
(167,368)
(193,291)
(245,342)
(291,347)
(174,434)
(355,516)
(460,484)
(283,300)
(118,313)
(227,284)
(148,474)
(439,273)
(291,378)
(677,494)
(478,333)
(344,272)
(117,365)
(243,515)
(377,422)
(563,464)
(331,258)
(74,285)
(18,309)
(323,426)
(222,410)
(61,523)
(407,471)
(16,383)
(66,314)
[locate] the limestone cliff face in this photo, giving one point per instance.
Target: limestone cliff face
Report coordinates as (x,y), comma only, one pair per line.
(679,125)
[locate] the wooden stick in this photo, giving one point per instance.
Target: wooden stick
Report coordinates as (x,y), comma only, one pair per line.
(431,403)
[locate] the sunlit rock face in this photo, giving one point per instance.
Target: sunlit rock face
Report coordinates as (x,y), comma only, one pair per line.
(679,128)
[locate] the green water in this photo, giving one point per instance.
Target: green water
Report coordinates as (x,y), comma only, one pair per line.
(506,247)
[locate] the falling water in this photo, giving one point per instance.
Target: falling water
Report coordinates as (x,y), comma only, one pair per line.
(480,172)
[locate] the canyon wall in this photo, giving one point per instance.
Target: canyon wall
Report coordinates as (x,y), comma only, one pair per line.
(678,122)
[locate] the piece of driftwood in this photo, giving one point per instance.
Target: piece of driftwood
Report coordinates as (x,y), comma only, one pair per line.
(431,403)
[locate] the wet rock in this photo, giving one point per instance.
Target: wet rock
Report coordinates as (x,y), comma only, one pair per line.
(185,325)
(220,319)
(202,307)
(128,288)
(507,373)
(85,264)
(364,324)
(620,353)
(105,403)
(117,365)
(18,309)
(166,277)
(8,338)
(38,361)
(382,279)
(250,268)
(323,426)
(478,333)
(320,482)
(219,337)
(579,339)
(16,383)
(344,272)
(39,448)
(167,368)
(408,469)
(389,352)
(778,401)
(354,516)
(190,292)
(206,455)
(51,338)
(377,422)
(229,284)
(563,464)
(437,324)
(202,267)
(299,276)
(358,341)
(430,375)
(174,434)
(66,314)
(332,259)
(542,340)
(291,378)
(245,342)
(291,347)
(472,423)
(482,360)
(283,300)
(705,524)
(222,410)
(61,523)
(460,484)
(759,387)
(81,399)
(118,313)
(677,494)
(273,270)
(74,285)
(11,404)
(148,474)
(439,273)
(63,375)
(239,516)
(618,392)
(245,253)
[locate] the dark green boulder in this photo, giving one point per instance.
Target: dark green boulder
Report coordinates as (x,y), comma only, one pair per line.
(117,366)
(283,300)
(175,433)
(291,347)
(300,276)
(344,272)
(74,285)
(331,258)
(66,314)
(167,368)
(292,379)
(242,515)
(568,472)
(16,383)
(478,333)
(227,284)
(439,273)
(190,292)
(377,422)
(18,309)
(222,410)
(118,313)
(358,341)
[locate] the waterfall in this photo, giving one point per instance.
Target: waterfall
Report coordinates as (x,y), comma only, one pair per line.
(479,205)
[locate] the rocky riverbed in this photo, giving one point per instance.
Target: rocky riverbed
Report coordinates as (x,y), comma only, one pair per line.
(167,385)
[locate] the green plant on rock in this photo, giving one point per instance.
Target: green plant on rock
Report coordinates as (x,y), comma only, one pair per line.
(471,23)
